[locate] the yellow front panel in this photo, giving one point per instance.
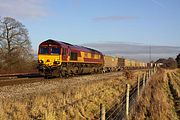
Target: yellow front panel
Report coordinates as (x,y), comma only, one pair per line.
(49,59)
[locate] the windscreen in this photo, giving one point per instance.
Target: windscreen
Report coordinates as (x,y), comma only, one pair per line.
(55,50)
(44,50)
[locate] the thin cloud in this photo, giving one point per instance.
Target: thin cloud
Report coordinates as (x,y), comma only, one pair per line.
(76,3)
(157,3)
(136,51)
(23,8)
(114,18)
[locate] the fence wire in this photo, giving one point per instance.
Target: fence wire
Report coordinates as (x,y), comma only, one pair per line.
(117,111)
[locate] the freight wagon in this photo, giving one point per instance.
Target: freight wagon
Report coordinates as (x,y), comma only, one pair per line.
(117,64)
(110,63)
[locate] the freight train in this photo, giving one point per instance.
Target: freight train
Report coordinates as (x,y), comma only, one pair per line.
(119,63)
(57,58)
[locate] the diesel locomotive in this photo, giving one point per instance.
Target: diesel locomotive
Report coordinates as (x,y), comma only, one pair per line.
(57,58)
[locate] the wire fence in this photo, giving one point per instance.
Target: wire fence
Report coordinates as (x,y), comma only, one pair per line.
(121,107)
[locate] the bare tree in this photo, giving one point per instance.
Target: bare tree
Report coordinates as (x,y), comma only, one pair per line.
(14,42)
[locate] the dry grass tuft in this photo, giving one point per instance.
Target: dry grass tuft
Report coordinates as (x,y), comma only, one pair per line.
(129,74)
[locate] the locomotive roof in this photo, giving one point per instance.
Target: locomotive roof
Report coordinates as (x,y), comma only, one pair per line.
(86,49)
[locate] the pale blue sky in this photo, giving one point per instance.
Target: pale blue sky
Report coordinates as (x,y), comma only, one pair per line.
(154,22)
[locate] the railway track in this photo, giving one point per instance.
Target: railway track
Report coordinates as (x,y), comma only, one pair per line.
(9,81)
(16,79)
(20,75)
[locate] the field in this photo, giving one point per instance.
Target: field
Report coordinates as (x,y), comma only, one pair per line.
(79,98)
(161,98)
(60,99)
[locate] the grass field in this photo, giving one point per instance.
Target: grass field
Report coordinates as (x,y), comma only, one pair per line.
(73,101)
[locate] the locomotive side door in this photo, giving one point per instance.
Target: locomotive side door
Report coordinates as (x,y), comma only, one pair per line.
(65,54)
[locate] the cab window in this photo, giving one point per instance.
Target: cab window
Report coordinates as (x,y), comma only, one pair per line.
(55,50)
(44,50)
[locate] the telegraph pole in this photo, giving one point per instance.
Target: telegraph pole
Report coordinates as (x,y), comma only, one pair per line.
(149,53)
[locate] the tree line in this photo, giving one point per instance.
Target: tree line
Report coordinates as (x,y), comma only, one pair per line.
(170,62)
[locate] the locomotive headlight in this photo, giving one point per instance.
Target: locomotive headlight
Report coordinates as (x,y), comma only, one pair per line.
(56,61)
(40,61)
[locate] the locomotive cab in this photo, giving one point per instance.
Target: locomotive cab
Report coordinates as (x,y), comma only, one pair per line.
(49,55)
(58,58)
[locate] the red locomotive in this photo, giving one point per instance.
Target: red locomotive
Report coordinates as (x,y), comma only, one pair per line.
(58,58)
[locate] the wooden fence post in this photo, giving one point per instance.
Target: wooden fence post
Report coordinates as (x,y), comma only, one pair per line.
(138,85)
(102,112)
(153,70)
(149,73)
(127,100)
(147,76)
(144,80)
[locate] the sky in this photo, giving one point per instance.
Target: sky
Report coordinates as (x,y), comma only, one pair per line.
(99,22)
